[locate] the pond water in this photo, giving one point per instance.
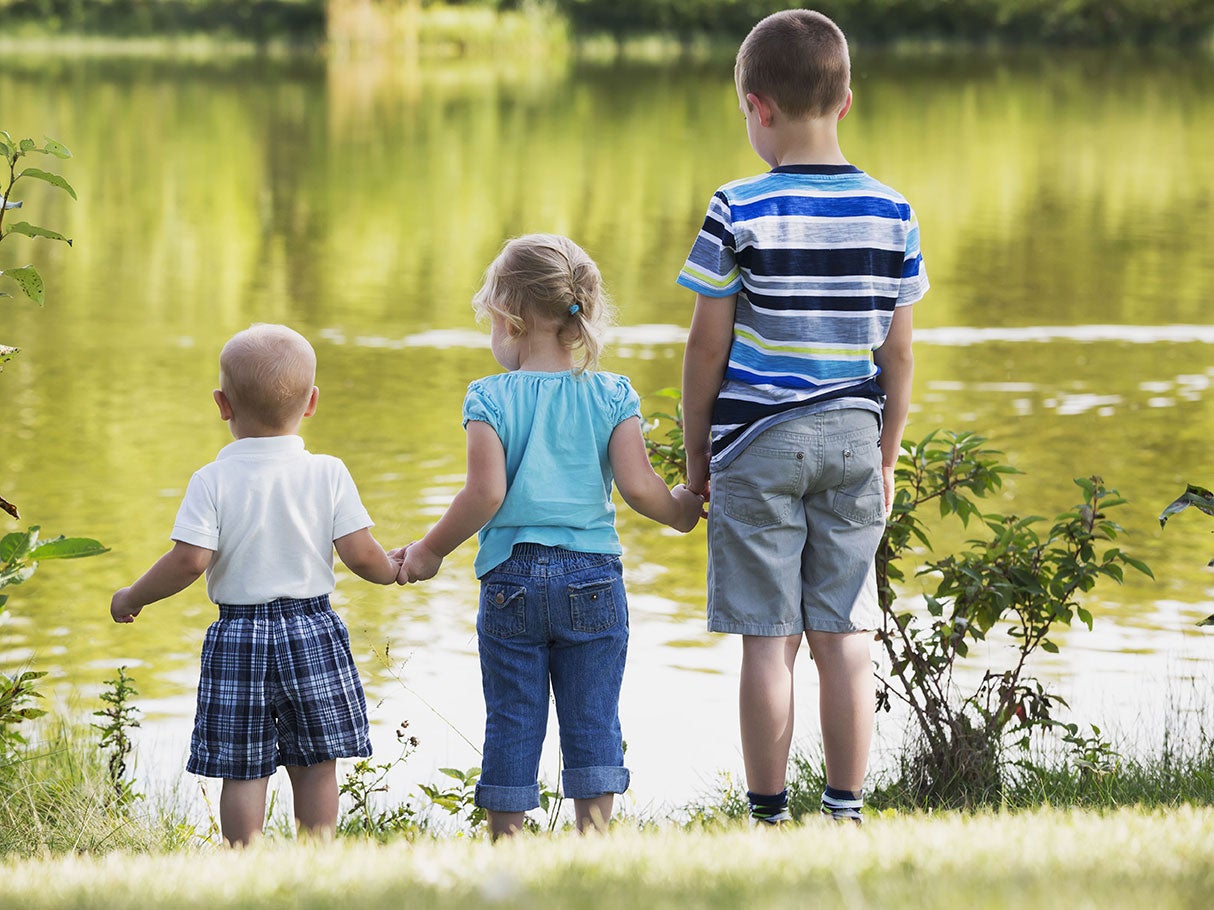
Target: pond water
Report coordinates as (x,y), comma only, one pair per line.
(1067,212)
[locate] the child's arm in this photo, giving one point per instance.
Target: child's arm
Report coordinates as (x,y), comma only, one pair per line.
(642,488)
(364,557)
(482,495)
(175,571)
(704,363)
(897,362)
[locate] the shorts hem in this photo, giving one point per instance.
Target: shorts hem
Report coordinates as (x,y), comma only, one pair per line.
(841,628)
(218,769)
(507,799)
(589,783)
(766,630)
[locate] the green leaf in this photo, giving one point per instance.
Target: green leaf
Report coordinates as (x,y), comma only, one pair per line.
(1047,645)
(1208,621)
(30,281)
(67,548)
(27,145)
(17,544)
(17,574)
(32,230)
(52,179)
(1198,497)
(58,149)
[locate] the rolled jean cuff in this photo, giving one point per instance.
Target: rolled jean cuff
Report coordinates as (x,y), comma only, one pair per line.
(507,799)
(587,783)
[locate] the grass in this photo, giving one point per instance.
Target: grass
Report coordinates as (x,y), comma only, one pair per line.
(1040,859)
(56,797)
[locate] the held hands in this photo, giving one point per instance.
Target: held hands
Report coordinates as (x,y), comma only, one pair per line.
(690,508)
(418,563)
(121,607)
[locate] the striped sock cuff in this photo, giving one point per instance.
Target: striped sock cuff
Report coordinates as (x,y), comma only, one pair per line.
(842,804)
(768,806)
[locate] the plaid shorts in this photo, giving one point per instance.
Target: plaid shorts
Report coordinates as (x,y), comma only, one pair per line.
(278,687)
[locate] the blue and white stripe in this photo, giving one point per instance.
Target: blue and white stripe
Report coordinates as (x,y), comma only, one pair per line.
(819,257)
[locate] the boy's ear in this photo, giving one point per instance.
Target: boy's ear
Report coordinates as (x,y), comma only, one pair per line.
(312,401)
(763,106)
(225,406)
(846,106)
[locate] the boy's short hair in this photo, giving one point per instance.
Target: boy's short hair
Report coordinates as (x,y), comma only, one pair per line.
(798,58)
(267,372)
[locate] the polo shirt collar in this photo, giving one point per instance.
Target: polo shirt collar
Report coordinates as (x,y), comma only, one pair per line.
(263,446)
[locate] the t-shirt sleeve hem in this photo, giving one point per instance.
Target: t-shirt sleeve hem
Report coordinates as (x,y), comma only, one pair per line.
(195,537)
(708,290)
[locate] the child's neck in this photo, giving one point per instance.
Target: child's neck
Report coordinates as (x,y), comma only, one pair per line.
(814,141)
(244,428)
(544,353)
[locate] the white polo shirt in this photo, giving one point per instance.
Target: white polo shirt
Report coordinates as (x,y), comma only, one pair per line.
(270,510)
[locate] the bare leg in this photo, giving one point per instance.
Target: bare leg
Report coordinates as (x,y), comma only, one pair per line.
(505,824)
(314,791)
(593,814)
(242,810)
(766,708)
(847,696)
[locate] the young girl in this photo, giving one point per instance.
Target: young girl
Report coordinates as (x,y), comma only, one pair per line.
(545,440)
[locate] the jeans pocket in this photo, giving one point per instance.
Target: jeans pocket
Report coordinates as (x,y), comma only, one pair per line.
(860,497)
(503,610)
(592,606)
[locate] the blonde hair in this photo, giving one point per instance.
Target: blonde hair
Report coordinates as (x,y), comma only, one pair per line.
(798,58)
(267,372)
(547,278)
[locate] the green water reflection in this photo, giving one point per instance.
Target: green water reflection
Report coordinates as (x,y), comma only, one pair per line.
(361,203)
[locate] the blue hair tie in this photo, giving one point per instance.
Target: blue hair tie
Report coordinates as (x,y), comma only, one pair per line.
(573,309)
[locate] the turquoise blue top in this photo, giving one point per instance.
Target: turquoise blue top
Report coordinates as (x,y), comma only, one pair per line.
(554,428)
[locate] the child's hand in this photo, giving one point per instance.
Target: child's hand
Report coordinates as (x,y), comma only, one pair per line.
(396,559)
(121,608)
(690,508)
(420,563)
(887,481)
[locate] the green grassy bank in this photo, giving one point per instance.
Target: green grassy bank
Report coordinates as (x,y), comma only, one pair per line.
(1128,858)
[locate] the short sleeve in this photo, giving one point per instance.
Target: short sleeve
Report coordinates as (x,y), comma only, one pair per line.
(914,276)
(349,513)
(479,405)
(624,401)
(711,268)
(197,521)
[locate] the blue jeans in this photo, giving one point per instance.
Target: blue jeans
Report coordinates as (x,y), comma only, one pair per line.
(550,615)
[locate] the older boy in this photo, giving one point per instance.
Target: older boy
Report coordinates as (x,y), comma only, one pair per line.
(278,685)
(796,386)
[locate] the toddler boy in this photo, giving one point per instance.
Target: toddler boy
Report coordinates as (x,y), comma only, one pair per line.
(279,685)
(796,384)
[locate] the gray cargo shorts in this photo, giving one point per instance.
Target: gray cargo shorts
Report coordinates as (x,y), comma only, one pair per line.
(793,525)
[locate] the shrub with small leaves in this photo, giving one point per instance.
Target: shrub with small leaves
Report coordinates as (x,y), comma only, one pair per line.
(119,718)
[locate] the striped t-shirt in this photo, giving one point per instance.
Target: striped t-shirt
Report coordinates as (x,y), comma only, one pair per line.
(819,256)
